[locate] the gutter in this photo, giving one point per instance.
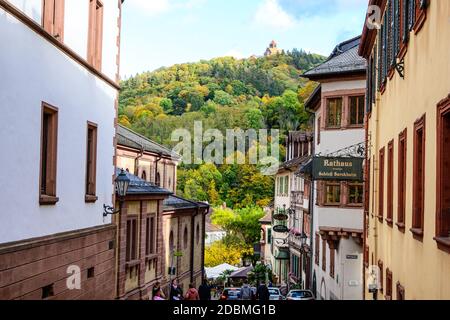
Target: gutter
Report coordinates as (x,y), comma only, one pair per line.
(156,168)
(136,160)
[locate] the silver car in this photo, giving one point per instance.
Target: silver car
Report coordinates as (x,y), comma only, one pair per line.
(300,295)
(275,294)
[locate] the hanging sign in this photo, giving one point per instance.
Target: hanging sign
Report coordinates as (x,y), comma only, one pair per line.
(337,169)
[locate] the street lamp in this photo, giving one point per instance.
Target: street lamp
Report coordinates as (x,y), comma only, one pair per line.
(122,183)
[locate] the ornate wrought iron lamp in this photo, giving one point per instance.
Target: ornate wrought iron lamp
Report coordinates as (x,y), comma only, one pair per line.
(122,183)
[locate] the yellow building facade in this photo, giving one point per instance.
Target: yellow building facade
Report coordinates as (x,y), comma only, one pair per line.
(407,211)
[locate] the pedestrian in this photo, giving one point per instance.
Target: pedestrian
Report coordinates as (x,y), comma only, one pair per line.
(175,291)
(192,293)
(204,291)
(157,289)
(157,294)
(246,291)
(262,294)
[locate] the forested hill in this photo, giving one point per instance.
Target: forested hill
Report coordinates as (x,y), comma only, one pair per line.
(258,92)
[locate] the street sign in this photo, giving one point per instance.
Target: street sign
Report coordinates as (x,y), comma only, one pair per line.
(352,257)
(337,169)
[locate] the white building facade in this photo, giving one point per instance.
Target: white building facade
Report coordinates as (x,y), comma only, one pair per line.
(59,92)
(338,105)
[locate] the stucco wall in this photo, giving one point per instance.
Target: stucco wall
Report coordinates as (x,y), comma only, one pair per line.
(51,76)
(419,266)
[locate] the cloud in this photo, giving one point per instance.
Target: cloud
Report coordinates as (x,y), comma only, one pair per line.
(156,7)
(235,54)
(271,14)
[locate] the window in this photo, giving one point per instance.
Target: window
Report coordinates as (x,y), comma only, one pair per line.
(53,18)
(132,232)
(171,242)
(269,235)
(197,236)
(332,258)
(419,178)
(185,238)
(332,193)
(91,273)
(48,291)
(381,185)
(390,184)
(366,256)
(388,295)
(443,172)
(144,176)
(402,157)
(150,236)
(400,292)
(324,255)
(286,185)
(158,180)
(355,193)
(381,278)
(334,112)
(95,38)
(367,186)
(317,249)
(91,162)
(357,110)
(49,140)
(319,121)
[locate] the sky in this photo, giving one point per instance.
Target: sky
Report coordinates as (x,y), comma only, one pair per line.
(157,33)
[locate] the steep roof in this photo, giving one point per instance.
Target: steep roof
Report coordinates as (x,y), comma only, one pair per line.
(174,202)
(344,59)
(131,139)
(267,219)
(138,186)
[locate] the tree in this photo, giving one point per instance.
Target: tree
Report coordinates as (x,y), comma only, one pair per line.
(219,253)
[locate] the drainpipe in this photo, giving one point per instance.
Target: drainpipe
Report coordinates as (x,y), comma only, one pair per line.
(136,161)
(193,243)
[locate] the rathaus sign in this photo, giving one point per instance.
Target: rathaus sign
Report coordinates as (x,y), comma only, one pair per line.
(346,169)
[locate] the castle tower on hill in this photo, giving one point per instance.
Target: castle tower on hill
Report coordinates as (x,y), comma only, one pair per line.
(272,49)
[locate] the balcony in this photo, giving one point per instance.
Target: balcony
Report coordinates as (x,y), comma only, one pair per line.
(297,198)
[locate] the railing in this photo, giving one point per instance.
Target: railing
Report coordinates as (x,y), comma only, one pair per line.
(297,198)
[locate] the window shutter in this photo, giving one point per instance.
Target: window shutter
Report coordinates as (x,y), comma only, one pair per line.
(391,34)
(385,49)
(405,21)
(380,56)
(373,77)
(369,81)
(411,14)
(396,29)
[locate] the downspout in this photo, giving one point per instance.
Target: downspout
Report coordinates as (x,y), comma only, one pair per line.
(193,243)
(136,161)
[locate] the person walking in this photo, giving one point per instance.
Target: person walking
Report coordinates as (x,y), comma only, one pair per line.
(157,289)
(262,294)
(246,291)
(204,291)
(157,294)
(192,293)
(175,291)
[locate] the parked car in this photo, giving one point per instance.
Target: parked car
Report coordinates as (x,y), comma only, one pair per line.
(231,294)
(300,295)
(275,294)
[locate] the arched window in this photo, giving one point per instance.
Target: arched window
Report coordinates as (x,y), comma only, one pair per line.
(185,238)
(170,183)
(197,236)
(144,175)
(158,180)
(171,244)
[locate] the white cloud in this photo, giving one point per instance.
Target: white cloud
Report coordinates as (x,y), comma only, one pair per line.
(271,14)
(235,54)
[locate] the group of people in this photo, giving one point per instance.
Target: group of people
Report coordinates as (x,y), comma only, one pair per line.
(262,292)
(176,292)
